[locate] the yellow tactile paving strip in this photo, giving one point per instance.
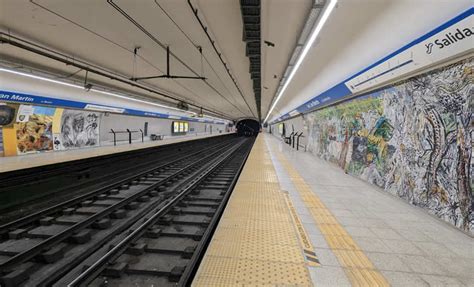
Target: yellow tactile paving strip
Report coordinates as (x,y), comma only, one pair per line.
(256,242)
(357,266)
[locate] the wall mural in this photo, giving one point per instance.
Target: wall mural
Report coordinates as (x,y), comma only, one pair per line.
(413,139)
(78,129)
(34,129)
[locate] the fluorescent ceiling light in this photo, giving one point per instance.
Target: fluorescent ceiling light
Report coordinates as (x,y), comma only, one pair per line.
(93,90)
(304,52)
(136,100)
(40,78)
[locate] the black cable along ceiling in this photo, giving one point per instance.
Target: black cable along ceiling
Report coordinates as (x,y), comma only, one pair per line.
(119,46)
(199,48)
(213,43)
(251,35)
(114,76)
(54,55)
(154,39)
(191,102)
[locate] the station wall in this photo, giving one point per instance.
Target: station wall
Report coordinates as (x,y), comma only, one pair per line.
(412,138)
(44,129)
(155,126)
(296,124)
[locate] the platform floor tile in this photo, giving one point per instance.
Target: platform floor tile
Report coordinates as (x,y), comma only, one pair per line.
(358,268)
(256,242)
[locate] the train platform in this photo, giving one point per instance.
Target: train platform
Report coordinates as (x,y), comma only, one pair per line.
(13,163)
(295,220)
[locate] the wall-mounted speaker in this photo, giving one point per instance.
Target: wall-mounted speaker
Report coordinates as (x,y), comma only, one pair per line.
(7,114)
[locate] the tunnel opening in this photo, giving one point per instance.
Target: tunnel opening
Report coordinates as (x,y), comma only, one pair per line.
(248,127)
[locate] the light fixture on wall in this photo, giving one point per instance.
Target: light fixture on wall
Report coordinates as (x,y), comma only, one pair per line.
(314,34)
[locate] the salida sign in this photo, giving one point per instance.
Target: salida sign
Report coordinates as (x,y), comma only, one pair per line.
(449,39)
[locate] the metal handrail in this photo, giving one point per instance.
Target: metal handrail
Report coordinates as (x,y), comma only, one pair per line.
(298,141)
(127,131)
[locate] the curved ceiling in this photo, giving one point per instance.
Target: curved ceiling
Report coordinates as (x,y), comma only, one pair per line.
(106,34)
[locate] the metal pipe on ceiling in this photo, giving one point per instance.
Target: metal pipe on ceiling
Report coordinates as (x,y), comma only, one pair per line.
(37,49)
(154,39)
(134,52)
(199,48)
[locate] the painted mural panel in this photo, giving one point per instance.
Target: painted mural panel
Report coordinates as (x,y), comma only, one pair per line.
(79,129)
(34,129)
(413,139)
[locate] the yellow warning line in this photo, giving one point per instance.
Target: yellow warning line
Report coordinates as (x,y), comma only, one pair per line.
(308,250)
(254,243)
(357,266)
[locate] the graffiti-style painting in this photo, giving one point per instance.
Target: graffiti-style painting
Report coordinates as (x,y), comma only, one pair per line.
(34,131)
(413,139)
(79,129)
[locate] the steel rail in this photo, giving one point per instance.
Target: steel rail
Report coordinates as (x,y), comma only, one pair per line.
(32,217)
(94,269)
(197,256)
(40,247)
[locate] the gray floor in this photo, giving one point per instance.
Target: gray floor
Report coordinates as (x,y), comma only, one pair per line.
(407,245)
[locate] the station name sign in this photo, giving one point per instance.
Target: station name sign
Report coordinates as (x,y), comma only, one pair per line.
(16,98)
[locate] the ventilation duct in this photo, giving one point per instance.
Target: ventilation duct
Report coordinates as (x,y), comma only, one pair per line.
(251,35)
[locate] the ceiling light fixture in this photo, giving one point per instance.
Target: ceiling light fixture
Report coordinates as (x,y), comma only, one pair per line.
(304,52)
(92,90)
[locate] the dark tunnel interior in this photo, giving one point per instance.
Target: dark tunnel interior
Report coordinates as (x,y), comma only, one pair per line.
(248,127)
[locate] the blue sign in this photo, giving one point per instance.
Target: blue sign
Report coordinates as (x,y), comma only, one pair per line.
(39,100)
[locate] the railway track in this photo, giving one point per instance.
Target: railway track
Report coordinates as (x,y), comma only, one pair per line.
(162,167)
(52,245)
(24,191)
